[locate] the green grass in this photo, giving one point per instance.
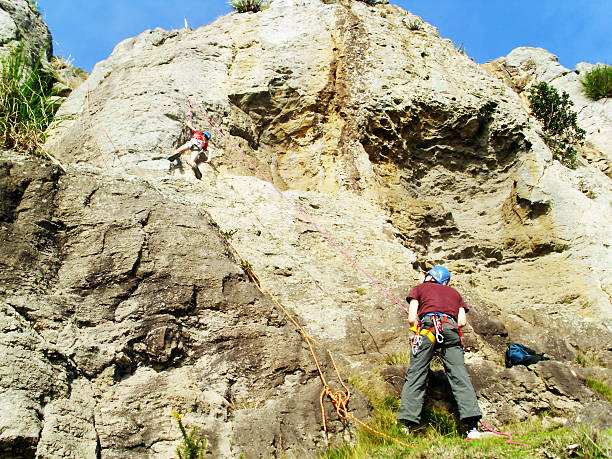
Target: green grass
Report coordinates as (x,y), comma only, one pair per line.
(34,6)
(440,436)
(597,84)
(430,441)
(600,387)
(26,107)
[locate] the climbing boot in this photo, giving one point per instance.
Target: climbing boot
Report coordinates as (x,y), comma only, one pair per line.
(196,171)
(173,157)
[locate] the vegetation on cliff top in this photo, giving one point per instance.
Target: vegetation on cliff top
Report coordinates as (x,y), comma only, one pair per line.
(560,129)
(26,102)
(243,6)
(597,84)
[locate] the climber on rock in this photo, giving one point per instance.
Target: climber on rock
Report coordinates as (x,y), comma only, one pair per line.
(198,144)
(436,313)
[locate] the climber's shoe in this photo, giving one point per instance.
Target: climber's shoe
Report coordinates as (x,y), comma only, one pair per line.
(473,434)
(405,426)
(173,157)
(196,171)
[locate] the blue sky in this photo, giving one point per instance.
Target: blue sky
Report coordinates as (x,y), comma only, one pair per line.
(576,31)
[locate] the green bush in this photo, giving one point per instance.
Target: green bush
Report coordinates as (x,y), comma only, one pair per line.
(242,6)
(26,107)
(561,133)
(597,84)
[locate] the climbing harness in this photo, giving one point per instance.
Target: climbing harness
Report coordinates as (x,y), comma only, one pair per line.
(417,339)
(417,342)
(437,325)
(435,333)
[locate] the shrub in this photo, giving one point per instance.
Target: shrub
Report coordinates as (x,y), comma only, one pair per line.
(561,133)
(26,109)
(242,6)
(597,84)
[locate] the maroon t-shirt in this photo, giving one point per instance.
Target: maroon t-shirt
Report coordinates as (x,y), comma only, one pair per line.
(433,297)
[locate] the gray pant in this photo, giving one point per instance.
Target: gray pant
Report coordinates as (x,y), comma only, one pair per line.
(454,365)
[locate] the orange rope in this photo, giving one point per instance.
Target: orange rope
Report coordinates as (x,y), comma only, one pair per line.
(340,398)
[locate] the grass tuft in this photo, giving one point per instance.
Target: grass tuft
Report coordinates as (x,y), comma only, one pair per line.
(415,24)
(597,84)
(587,358)
(244,6)
(398,358)
(26,104)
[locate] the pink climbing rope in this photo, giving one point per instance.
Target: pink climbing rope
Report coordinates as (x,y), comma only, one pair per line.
(302,213)
(509,442)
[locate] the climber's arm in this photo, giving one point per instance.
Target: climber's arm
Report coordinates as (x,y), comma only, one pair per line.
(412,312)
(461,318)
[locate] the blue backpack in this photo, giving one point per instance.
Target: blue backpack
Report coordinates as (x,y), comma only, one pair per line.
(517,354)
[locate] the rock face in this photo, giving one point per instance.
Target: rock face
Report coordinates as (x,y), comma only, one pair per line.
(399,147)
(525,67)
(20,20)
(112,316)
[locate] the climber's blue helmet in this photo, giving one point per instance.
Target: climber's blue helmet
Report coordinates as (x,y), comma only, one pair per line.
(440,274)
(207,135)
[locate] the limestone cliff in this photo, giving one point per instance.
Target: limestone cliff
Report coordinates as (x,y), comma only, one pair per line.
(120,288)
